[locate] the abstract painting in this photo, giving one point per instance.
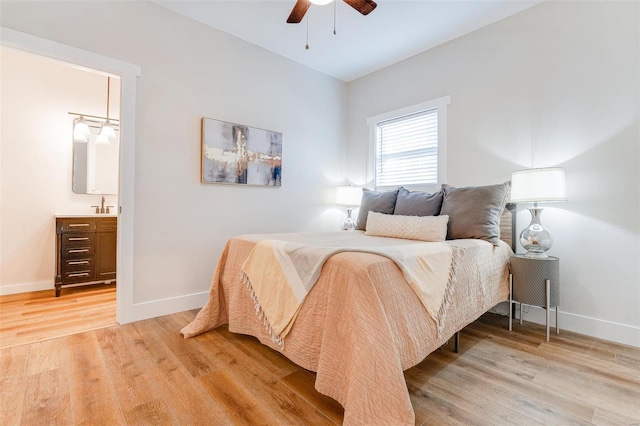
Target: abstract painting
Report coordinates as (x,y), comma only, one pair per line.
(239,154)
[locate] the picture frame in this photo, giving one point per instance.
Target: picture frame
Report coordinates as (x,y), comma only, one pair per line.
(238,154)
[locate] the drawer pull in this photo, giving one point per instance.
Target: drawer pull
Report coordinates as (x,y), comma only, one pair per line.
(76,225)
(82,274)
(79,239)
(79,251)
(78,262)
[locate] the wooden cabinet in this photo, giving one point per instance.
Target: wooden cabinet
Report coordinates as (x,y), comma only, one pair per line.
(85,250)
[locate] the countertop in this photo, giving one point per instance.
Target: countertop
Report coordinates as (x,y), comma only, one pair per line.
(89,215)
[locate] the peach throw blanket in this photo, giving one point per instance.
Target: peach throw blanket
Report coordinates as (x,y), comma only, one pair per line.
(280,274)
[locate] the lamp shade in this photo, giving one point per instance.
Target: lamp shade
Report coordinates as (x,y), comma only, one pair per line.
(538,185)
(81,130)
(107,130)
(348,196)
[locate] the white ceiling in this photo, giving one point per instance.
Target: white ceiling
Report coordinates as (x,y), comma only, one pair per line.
(394,31)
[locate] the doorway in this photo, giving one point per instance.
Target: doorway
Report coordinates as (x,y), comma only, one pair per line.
(128,74)
(48,173)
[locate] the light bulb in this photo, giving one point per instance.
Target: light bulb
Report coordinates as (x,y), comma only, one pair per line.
(320,2)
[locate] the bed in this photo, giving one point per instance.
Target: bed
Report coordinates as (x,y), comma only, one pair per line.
(361,325)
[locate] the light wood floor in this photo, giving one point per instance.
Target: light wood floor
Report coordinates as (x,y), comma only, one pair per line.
(146,373)
(39,315)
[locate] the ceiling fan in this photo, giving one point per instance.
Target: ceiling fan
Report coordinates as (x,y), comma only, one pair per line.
(297,13)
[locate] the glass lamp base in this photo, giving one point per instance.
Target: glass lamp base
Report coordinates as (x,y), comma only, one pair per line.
(349,224)
(535,238)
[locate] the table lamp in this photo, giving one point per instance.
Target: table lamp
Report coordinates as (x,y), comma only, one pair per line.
(350,197)
(537,186)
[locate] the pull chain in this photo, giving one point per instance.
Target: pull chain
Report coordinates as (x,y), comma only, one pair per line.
(307,46)
(334,17)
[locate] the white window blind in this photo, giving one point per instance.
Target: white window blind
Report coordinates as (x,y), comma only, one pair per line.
(407,150)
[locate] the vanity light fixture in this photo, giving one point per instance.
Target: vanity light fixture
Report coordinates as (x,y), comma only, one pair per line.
(105,127)
(86,127)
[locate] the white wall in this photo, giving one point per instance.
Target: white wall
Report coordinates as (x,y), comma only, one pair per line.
(556,85)
(36,167)
(189,71)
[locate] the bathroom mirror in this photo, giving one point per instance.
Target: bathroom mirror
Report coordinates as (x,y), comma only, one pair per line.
(95,165)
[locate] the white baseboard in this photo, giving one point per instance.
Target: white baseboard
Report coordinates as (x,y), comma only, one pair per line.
(171,305)
(26,287)
(606,330)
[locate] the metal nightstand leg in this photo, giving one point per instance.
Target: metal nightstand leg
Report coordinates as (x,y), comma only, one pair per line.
(520,313)
(511,301)
(557,326)
(548,302)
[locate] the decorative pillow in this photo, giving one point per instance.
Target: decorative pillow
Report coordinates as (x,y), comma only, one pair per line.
(423,228)
(474,212)
(418,203)
(381,202)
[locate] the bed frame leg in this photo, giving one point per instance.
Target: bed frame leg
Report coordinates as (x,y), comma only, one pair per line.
(456,346)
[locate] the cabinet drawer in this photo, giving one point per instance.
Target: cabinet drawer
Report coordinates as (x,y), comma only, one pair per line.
(107,224)
(80,224)
(77,263)
(78,239)
(77,251)
(79,276)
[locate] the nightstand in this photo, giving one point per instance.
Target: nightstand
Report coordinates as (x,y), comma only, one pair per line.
(535,282)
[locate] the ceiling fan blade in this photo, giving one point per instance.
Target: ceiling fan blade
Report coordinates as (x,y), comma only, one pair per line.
(363,6)
(298,11)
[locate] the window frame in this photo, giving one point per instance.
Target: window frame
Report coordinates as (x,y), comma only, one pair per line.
(439,104)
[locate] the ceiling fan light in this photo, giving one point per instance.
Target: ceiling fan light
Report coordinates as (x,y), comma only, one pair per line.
(107,130)
(320,2)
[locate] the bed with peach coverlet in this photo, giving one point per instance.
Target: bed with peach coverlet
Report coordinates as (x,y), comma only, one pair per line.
(361,325)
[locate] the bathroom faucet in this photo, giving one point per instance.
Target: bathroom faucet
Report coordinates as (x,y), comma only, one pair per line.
(102,205)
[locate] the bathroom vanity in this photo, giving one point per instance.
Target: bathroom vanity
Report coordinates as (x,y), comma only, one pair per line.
(85,250)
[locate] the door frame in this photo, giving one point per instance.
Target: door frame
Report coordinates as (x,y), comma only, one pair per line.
(128,74)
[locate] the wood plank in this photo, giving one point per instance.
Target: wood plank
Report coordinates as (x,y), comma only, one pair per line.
(46,399)
(134,386)
(154,412)
(271,401)
(92,396)
(507,396)
(277,364)
(46,356)
(184,395)
(303,383)
(12,397)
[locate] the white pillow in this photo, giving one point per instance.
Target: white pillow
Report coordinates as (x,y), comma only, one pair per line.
(423,228)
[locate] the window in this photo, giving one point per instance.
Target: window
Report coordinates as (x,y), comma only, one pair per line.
(409,145)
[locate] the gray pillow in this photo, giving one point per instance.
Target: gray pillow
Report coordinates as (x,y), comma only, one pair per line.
(474,212)
(380,202)
(418,203)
